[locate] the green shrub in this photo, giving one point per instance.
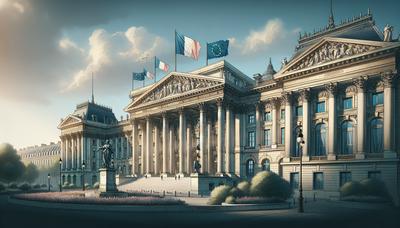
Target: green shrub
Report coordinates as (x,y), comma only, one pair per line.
(71,186)
(66,185)
(219,194)
(269,184)
(87,186)
(43,185)
(235,192)
(2,187)
(13,185)
(25,187)
(352,188)
(96,185)
(244,188)
(36,186)
(230,200)
(374,187)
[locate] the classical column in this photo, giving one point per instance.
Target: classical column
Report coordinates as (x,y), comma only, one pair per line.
(238,139)
(135,149)
(274,130)
(171,150)
(220,136)
(63,152)
(164,142)
(305,96)
(149,145)
(258,125)
(181,136)
(361,122)
(188,148)
(228,139)
(98,155)
(388,121)
(115,148)
(73,161)
(156,149)
(79,150)
(210,157)
(332,112)
(143,149)
(287,99)
(203,146)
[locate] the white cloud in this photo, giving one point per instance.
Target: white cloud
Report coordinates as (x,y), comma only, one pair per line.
(66,44)
(19,7)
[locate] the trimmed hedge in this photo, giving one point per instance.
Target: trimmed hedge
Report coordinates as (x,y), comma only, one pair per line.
(244,188)
(13,185)
(96,185)
(25,187)
(351,188)
(230,200)
(366,187)
(269,184)
(219,194)
(2,187)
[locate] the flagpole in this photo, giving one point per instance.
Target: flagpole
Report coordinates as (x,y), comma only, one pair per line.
(175,50)
(206,54)
(155,69)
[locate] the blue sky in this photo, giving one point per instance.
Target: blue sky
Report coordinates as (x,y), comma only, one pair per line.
(48,49)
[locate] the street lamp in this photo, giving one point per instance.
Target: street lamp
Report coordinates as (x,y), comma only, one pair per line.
(83,176)
(60,162)
(48,181)
(300,141)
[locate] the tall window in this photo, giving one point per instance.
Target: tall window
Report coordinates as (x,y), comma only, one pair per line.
(344,177)
(282,114)
(268,116)
(348,103)
(267,137)
(320,107)
(251,119)
(299,111)
(320,139)
(294,180)
(251,139)
(318,181)
(376,135)
(347,137)
(282,135)
(250,168)
(377,98)
(265,164)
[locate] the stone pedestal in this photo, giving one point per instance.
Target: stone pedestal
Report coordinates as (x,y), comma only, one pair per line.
(107,180)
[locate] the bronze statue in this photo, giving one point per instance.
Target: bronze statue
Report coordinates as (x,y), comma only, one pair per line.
(106,154)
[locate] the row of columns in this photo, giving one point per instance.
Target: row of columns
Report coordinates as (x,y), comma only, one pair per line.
(72,148)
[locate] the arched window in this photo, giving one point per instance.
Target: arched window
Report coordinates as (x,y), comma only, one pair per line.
(320,139)
(265,165)
(347,136)
(376,136)
(296,152)
(250,168)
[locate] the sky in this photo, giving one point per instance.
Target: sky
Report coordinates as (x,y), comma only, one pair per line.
(50,48)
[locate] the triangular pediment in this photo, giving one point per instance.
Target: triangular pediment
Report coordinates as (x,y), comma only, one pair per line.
(71,119)
(175,85)
(330,50)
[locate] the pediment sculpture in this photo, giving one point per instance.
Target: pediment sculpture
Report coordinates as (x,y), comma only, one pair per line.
(330,51)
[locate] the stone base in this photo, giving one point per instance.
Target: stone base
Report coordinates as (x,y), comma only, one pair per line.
(107,180)
(180,175)
(305,158)
(147,175)
(331,157)
(360,156)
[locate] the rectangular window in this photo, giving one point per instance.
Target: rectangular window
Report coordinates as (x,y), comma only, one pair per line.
(299,111)
(318,181)
(252,119)
(294,180)
(348,103)
(267,137)
(282,135)
(377,98)
(344,177)
(268,116)
(321,106)
(374,174)
(282,114)
(251,139)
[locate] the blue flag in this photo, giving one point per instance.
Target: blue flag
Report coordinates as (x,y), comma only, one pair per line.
(138,76)
(217,49)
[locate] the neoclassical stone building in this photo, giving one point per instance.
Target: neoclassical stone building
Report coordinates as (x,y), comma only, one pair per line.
(340,87)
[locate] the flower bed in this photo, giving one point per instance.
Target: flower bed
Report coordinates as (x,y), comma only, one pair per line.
(79,198)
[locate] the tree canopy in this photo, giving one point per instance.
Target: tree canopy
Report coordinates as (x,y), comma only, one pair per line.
(11,167)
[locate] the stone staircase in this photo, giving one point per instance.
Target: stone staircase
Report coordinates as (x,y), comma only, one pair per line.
(158,185)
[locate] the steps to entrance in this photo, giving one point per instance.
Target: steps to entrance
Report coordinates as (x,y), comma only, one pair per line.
(156,184)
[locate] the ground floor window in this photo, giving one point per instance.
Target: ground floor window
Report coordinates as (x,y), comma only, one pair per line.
(318,181)
(251,139)
(344,178)
(250,168)
(265,164)
(294,180)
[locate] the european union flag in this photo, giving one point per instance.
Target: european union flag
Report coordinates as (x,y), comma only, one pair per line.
(138,76)
(217,49)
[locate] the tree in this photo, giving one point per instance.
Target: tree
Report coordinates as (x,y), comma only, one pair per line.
(31,173)
(11,167)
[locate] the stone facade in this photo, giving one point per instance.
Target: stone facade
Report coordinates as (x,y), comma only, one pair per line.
(340,88)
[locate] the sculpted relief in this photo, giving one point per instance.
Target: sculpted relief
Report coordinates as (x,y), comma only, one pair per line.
(176,86)
(331,51)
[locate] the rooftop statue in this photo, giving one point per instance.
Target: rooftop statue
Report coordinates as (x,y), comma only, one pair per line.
(387,33)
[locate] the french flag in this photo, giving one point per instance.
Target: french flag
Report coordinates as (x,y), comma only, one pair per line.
(187,46)
(162,65)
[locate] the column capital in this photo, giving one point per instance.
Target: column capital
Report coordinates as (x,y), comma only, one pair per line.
(388,78)
(305,94)
(220,101)
(287,98)
(360,83)
(181,110)
(164,114)
(202,107)
(331,88)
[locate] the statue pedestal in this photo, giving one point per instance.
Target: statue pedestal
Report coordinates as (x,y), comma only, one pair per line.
(107,180)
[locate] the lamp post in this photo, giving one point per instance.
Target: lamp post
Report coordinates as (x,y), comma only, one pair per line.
(83,176)
(48,181)
(300,141)
(60,161)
